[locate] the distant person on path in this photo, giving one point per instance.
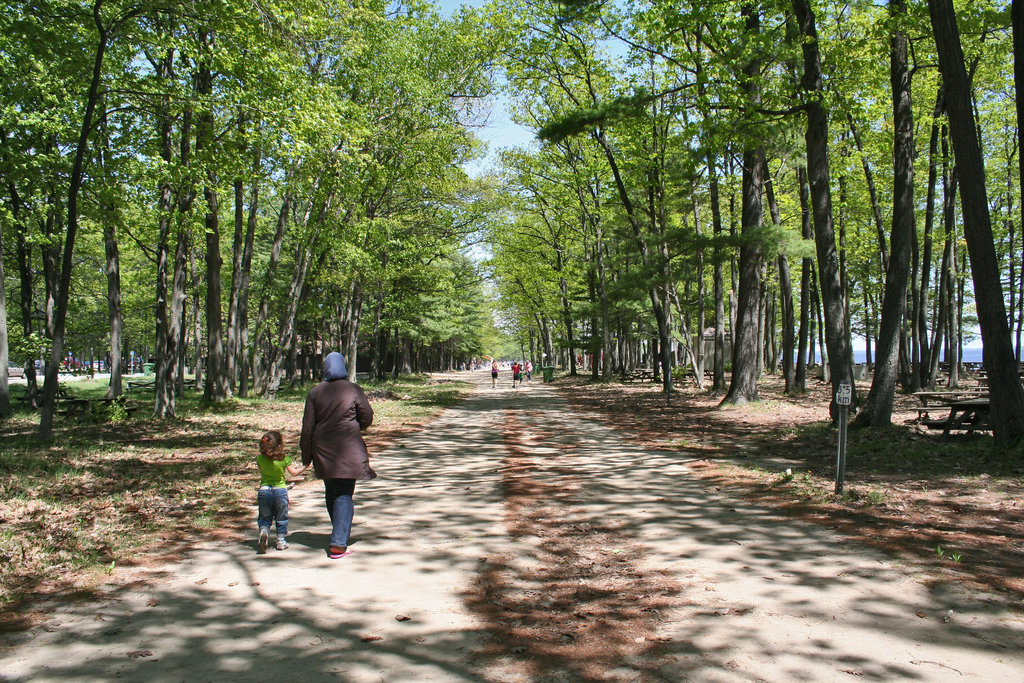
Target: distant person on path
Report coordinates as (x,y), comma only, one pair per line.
(529,370)
(494,373)
(336,412)
(517,373)
(272,499)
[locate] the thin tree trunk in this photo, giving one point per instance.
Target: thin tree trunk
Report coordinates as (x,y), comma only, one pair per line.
(242,324)
(217,388)
(74,188)
(5,394)
(921,319)
(807,270)
(877,411)
(718,375)
(26,291)
(113,273)
(785,299)
(832,294)
(261,348)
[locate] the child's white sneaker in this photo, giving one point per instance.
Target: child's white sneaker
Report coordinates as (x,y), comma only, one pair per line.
(282,543)
(261,544)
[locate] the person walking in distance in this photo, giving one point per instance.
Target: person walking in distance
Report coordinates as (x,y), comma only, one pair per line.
(494,373)
(336,413)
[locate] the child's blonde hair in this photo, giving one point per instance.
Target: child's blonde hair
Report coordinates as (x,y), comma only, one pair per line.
(272,445)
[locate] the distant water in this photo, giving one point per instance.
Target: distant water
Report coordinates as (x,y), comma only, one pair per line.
(971,355)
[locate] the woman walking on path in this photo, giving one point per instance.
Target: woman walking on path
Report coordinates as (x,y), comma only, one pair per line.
(336,412)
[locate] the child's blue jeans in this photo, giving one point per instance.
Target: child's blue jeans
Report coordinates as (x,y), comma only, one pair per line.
(273,505)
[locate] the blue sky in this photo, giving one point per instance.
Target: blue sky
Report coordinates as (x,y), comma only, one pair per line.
(499,131)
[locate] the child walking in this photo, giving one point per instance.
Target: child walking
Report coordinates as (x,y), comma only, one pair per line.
(272,498)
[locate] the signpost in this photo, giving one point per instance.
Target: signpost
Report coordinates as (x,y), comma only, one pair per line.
(843,396)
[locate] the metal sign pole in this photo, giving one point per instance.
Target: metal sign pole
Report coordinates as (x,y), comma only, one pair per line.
(843,401)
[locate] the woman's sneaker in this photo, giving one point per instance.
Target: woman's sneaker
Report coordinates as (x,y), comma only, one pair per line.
(281,543)
(261,544)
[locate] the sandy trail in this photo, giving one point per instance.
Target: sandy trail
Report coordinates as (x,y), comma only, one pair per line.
(517,540)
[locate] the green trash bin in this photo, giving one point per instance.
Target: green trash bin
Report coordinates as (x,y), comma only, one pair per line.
(549,373)
(148,368)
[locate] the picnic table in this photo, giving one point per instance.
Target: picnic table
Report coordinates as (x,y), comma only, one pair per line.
(138,384)
(72,406)
(26,398)
(932,400)
(969,415)
(641,375)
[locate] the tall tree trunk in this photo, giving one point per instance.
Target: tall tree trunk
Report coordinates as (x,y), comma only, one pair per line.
(877,410)
(114,314)
(5,394)
(217,387)
(718,375)
(113,273)
(74,188)
(167,324)
(199,351)
(785,299)
(876,206)
(1007,394)
(242,324)
(745,350)
(231,345)
(833,297)
(262,345)
(26,295)
(743,387)
(921,318)
(1017,24)
(807,271)
(350,338)
(653,291)
(698,337)
(304,258)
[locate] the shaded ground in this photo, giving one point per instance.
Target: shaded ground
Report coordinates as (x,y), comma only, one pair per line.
(952,503)
(105,497)
(517,539)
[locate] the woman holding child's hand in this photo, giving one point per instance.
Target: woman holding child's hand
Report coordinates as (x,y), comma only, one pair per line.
(336,412)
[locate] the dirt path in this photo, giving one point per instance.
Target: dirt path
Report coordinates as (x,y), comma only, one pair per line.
(518,541)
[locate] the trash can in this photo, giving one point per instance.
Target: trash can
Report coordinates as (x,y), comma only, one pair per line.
(147,368)
(549,373)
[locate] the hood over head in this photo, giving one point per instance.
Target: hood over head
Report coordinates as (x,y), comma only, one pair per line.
(334,367)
